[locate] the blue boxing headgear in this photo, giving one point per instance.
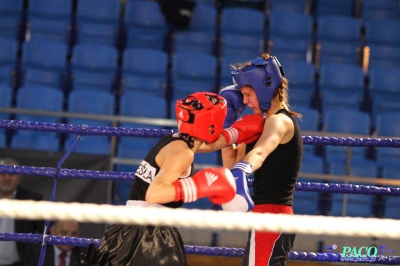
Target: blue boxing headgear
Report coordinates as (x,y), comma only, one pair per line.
(263,76)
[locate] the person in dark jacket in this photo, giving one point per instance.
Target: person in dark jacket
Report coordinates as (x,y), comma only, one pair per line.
(56,253)
(17,253)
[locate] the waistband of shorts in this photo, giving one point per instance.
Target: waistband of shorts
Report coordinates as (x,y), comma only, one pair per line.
(141,203)
(273,208)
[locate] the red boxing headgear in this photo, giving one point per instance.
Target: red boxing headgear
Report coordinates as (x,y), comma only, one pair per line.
(201,115)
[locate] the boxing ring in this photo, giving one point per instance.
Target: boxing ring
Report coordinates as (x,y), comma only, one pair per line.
(190,218)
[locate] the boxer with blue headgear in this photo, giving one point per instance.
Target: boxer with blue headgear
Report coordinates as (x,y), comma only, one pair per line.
(274,158)
(264,76)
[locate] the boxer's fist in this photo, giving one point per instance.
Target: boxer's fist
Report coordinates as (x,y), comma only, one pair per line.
(217,184)
(242,200)
(245,130)
(234,101)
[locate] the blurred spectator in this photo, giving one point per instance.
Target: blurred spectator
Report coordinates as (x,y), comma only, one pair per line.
(63,255)
(17,253)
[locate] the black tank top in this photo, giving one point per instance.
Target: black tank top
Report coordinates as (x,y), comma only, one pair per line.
(275,180)
(148,169)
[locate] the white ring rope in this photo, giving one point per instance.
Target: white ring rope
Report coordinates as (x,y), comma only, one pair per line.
(102,213)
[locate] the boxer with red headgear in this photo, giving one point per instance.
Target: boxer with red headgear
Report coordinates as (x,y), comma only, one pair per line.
(166,178)
(201,115)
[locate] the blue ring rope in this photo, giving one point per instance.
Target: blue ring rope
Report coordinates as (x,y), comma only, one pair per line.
(200,250)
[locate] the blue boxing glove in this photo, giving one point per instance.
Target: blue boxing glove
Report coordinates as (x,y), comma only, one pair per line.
(234,100)
(242,200)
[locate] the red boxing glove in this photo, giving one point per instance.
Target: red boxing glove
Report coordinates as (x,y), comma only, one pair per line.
(218,184)
(247,130)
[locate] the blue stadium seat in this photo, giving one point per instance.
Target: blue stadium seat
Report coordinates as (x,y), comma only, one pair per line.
(249,46)
(145,24)
(382,42)
(306,202)
(335,100)
(291,36)
(200,36)
(149,84)
(380,32)
(54,9)
(8,56)
(358,165)
(142,101)
(381,55)
(5,99)
(301,76)
(49,29)
(45,54)
(98,23)
(204,18)
(40,99)
(95,57)
(3,139)
(198,73)
(35,140)
(336,157)
(126,168)
(45,63)
(155,66)
(242,21)
(205,2)
(121,189)
(392,207)
(378,9)
(90,102)
(338,7)
(346,122)
(339,39)
(387,160)
(149,77)
(94,67)
(341,86)
(6,75)
(384,89)
(391,168)
(183,87)
(197,41)
(10,18)
(135,147)
(50,20)
(357,205)
(387,156)
(290,6)
(97,145)
(8,53)
(310,118)
(387,125)
(94,79)
(44,77)
(382,105)
(311,164)
(101,103)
